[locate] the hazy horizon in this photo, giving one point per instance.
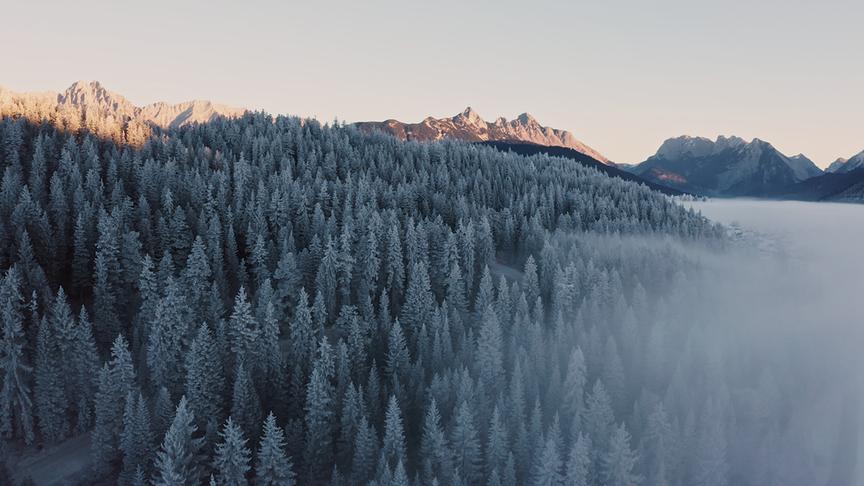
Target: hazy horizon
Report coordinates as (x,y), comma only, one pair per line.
(622,77)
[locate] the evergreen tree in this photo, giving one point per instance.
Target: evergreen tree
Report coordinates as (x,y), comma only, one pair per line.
(326,278)
(85,363)
(178,461)
(51,400)
(599,418)
(205,383)
(434,450)
(365,451)
(619,460)
(418,299)
(106,286)
(547,471)
(245,403)
(272,465)
(301,333)
(398,357)
(394,433)
(572,403)
(196,278)
(167,338)
(116,382)
(232,457)
(490,352)
(466,445)
(497,447)
(243,329)
(136,440)
(16,409)
(320,396)
(579,462)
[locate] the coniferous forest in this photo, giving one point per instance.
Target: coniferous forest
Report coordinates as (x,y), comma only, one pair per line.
(275,301)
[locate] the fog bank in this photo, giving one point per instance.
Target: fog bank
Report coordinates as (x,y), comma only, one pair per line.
(796,299)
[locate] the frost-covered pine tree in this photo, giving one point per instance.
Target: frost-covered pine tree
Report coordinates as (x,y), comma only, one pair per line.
(232,457)
(116,382)
(466,444)
(272,465)
(320,396)
(178,461)
(394,433)
(205,382)
(51,401)
(619,461)
(136,438)
(16,406)
(578,466)
(365,451)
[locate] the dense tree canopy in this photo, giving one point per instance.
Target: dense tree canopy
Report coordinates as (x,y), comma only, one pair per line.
(279,301)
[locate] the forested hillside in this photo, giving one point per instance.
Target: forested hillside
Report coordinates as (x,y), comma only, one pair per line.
(277,301)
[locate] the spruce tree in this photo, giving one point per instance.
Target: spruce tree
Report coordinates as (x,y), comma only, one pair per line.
(320,397)
(490,355)
(578,467)
(116,381)
(394,433)
(16,407)
(547,470)
(466,445)
(243,329)
(245,403)
(232,457)
(178,460)
(106,286)
(272,465)
(434,450)
(136,440)
(497,446)
(205,382)
(619,460)
(365,452)
(51,401)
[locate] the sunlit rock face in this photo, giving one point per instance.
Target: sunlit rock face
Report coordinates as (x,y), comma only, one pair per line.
(470,126)
(107,108)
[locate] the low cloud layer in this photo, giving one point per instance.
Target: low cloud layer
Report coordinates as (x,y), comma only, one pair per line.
(795,303)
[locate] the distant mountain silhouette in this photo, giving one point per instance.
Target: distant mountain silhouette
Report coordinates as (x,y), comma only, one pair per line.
(847,165)
(729,166)
(837,186)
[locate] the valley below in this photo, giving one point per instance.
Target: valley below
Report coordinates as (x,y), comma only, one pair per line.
(788,295)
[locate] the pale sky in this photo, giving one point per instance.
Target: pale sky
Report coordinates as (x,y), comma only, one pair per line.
(621,75)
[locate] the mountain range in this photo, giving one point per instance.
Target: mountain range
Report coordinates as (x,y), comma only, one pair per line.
(728,166)
(471,127)
(731,166)
(842,165)
(725,167)
(106,110)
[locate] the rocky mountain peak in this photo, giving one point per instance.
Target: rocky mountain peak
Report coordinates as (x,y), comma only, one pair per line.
(108,111)
(470,126)
(470,116)
(527,119)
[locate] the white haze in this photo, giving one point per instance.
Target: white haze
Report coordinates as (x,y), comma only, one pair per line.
(797,300)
